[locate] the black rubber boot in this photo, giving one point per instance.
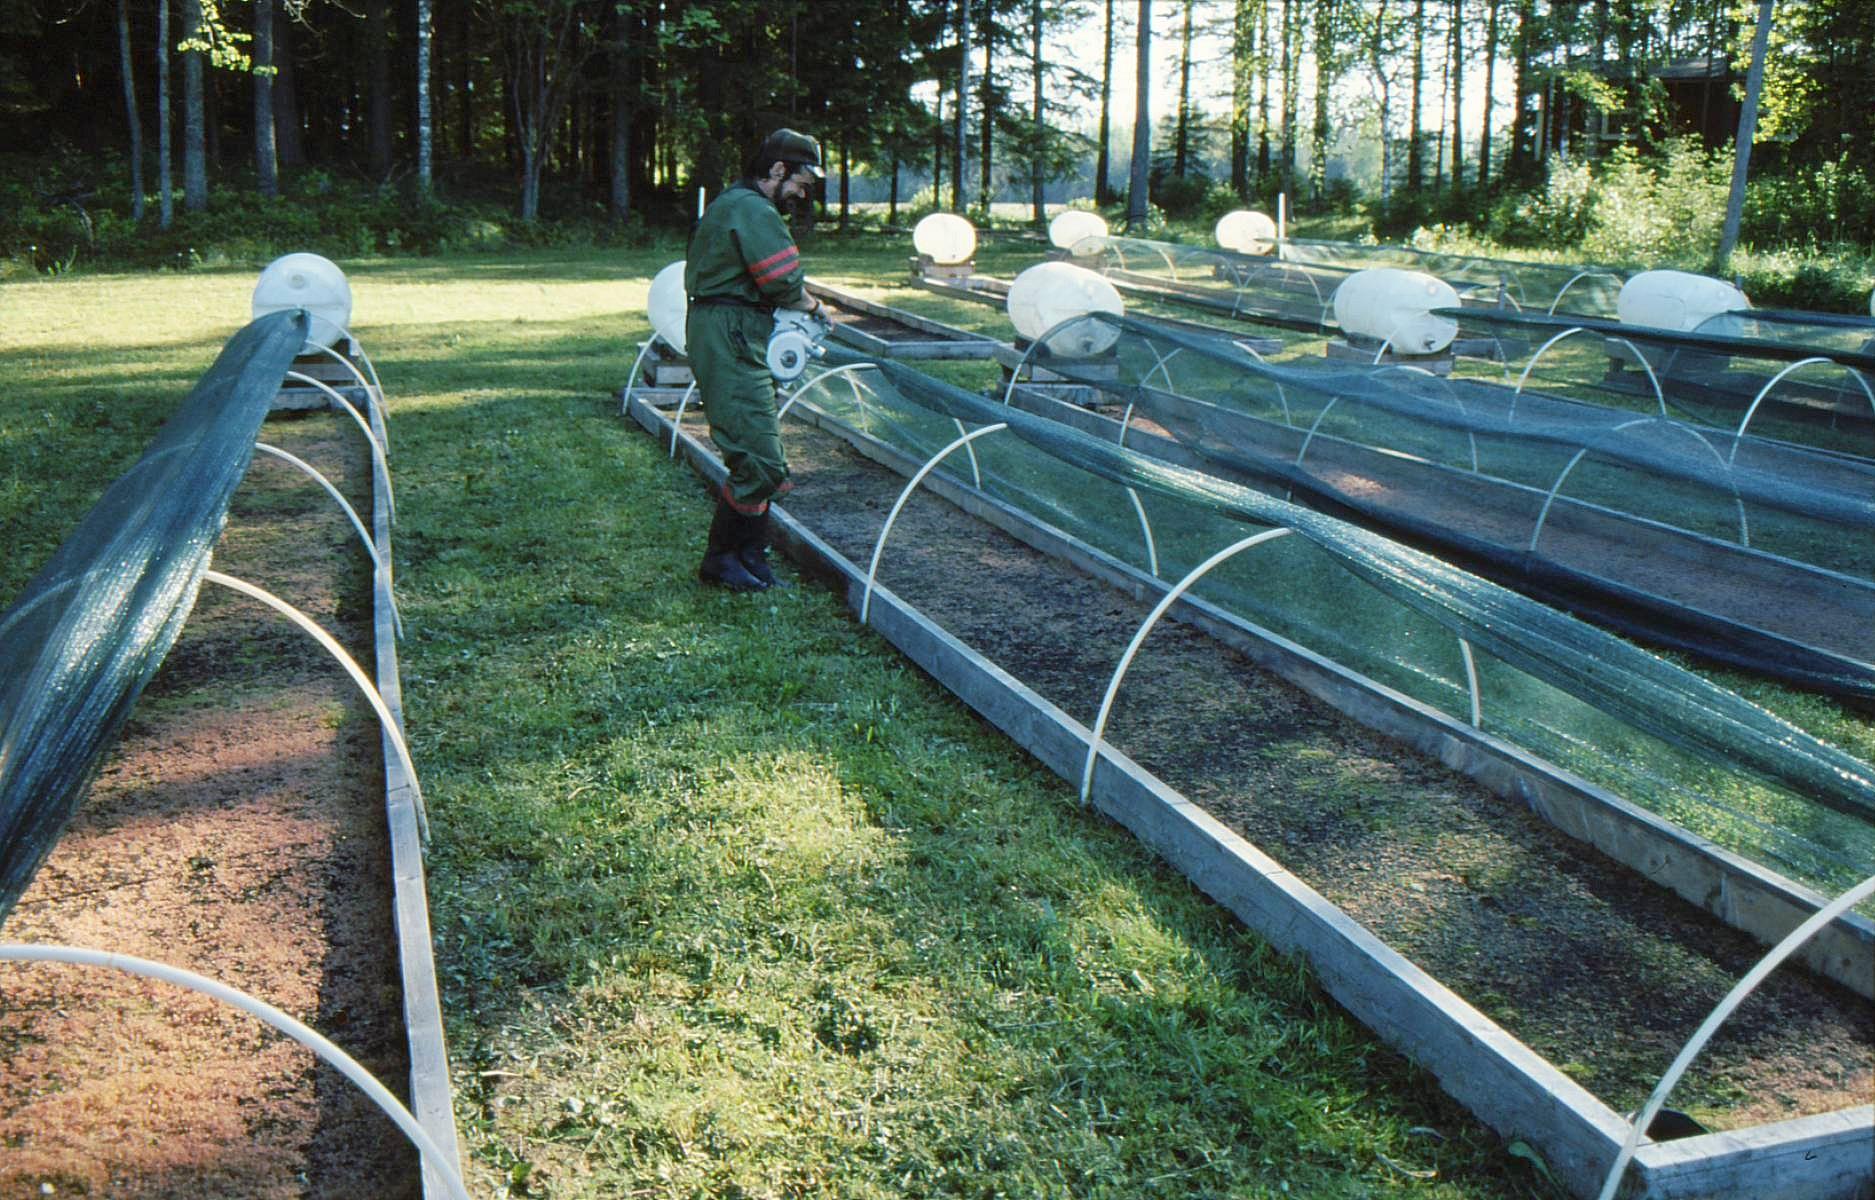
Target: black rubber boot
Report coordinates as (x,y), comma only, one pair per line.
(753,550)
(722,565)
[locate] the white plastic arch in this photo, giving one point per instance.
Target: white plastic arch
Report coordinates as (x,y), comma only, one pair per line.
(372,696)
(1744,528)
(1282,394)
(377,559)
(379,459)
(1779,378)
(374,387)
(1743,988)
(678,420)
(433,1155)
(1574,279)
(1450,394)
(1132,648)
(1659,395)
(872,569)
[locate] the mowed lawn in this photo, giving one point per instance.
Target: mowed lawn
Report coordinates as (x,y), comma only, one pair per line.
(730,901)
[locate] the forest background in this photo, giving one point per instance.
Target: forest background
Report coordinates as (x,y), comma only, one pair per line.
(179,133)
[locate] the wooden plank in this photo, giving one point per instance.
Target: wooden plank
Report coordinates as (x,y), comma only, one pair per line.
(1824,1157)
(430,1101)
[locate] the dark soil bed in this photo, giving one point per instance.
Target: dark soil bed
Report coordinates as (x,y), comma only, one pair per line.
(1599,971)
(237,830)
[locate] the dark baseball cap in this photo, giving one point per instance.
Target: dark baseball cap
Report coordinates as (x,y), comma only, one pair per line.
(789,146)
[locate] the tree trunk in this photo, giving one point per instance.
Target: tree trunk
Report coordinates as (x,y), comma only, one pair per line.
(1522,122)
(963,106)
(1267,62)
(1326,67)
(1490,82)
(620,184)
(1377,53)
(846,182)
(1415,152)
(1747,133)
(165,184)
(194,131)
(1041,126)
(1181,140)
(1458,94)
(1136,190)
(378,94)
(937,157)
(984,186)
(289,142)
(1242,58)
(424,127)
(266,158)
(134,119)
(1103,186)
(1292,77)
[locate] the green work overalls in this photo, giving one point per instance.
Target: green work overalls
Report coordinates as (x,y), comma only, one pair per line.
(742,263)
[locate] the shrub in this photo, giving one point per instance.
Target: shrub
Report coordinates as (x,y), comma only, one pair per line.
(1666,210)
(1830,203)
(1181,196)
(1556,216)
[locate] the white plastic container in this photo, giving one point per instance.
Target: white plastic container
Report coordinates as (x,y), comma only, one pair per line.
(1069,229)
(668,306)
(1676,300)
(945,238)
(310,282)
(1044,296)
(1395,306)
(1246,232)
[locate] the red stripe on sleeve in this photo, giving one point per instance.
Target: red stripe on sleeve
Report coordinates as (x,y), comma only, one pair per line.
(756,268)
(778,271)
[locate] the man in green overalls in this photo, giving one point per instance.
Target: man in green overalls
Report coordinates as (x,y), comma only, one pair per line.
(742,265)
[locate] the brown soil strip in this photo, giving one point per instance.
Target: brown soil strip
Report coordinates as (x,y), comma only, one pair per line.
(237,830)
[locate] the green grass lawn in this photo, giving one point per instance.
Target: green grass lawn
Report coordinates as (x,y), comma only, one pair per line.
(728,900)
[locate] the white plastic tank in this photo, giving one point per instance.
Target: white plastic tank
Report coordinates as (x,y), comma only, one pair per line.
(1069,229)
(668,306)
(1395,306)
(945,238)
(310,282)
(1044,296)
(1246,232)
(1676,300)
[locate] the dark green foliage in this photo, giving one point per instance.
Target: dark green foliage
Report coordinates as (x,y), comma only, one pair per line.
(1180,195)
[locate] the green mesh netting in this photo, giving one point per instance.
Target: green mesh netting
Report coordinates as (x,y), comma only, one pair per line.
(90,629)
(1653,732)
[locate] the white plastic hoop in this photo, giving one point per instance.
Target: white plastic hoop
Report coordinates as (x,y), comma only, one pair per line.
(1139,637)
(1778,378)
(878,548)
(82,956)
(379,459)
(391,728)
(1659,395)
(1743,988)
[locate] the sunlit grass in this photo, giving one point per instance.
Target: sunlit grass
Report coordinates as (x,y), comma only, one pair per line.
(727,899)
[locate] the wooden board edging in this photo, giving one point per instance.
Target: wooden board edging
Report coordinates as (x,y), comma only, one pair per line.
(430,1101)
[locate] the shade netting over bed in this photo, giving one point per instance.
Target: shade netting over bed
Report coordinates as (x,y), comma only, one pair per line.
(1753,552)
(91,628)
(1651,731)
